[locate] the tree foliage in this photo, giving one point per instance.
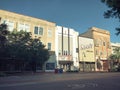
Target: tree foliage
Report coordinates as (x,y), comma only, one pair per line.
(114,10)
(115,59)
(21,46)
(3,39)
(116,55)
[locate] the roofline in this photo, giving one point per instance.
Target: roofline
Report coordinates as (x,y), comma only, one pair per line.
(26,15)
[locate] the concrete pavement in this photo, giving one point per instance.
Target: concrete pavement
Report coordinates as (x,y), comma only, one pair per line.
(70,80)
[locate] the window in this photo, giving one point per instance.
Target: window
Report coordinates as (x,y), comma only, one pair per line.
(59,53)
(0,20)
(103,43)
(66,53)
(38,30)
(20,26)
(49,33)
(77,50)
(49,46)
(50,66)
(101,53)
(4,21)
(27,28)
(96,42)
(24,27)
(10,26)
(97,52)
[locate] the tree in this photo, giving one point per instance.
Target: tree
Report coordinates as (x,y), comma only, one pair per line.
(21,47)
(114,10)
(3,39)
(37,53)
(115,57)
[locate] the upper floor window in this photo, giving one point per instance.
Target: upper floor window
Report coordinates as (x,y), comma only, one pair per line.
(49,33)
(10,26)
(24,27)
(38,30)
(4,21)
(101,53)
(96,42)
(97,52)
(103,43)
(64,53)
(27,27)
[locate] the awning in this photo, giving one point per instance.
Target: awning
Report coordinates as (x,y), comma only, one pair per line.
(65,62)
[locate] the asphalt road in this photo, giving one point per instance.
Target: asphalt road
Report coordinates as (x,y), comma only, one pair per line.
(65,81)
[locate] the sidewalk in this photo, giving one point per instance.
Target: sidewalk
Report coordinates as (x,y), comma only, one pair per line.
(29,73)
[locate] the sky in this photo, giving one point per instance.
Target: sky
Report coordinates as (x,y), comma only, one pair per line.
(77,14)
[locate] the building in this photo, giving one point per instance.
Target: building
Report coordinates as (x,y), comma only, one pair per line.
(102,46)
(67,48)
(86,54)
(38,27)
(114,45)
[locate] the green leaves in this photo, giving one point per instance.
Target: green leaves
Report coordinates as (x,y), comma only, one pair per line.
(21,46)
(114,10)
(118,31)
(116,54)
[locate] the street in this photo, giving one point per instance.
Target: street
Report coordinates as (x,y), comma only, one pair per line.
(65,81)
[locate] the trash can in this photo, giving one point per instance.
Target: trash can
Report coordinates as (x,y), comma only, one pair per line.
(60,70)
(56,70)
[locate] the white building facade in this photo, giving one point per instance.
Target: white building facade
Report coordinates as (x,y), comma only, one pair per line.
(113,46)
(66,48)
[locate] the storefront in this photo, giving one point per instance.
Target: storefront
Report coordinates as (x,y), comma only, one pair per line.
(86,54)
(65,65)
(50,65)
(87,66)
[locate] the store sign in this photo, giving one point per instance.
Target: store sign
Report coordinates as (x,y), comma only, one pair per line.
(88,46)
(65,57)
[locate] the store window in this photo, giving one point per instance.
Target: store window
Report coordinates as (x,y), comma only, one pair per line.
(50,66)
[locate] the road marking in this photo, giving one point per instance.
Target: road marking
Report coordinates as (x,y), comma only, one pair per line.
(18,84)
(82,85)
